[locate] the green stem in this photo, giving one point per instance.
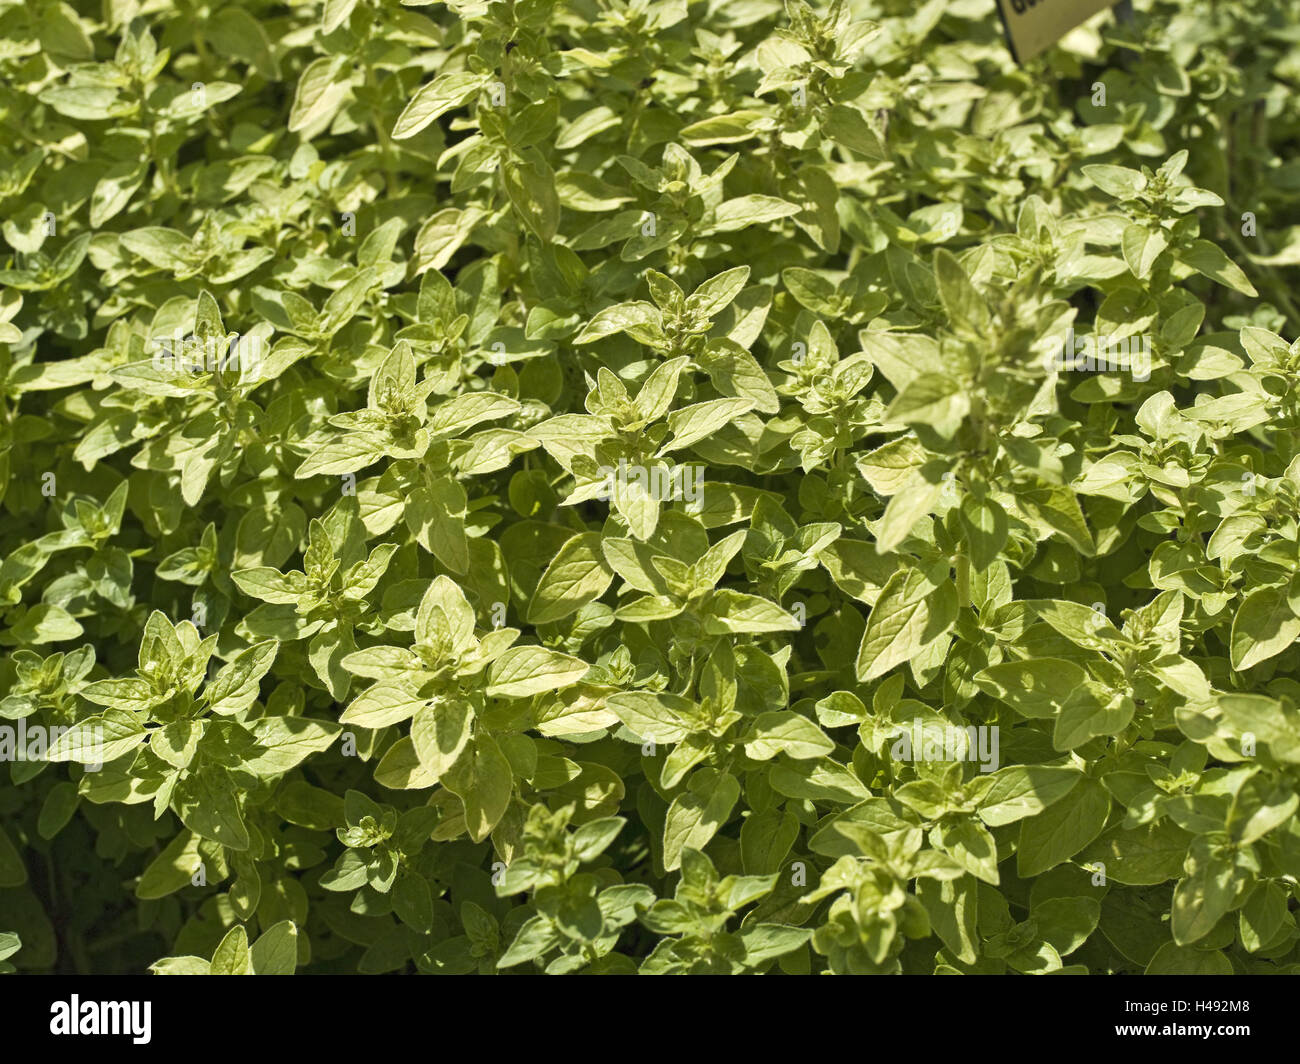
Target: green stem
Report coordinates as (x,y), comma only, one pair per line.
(385,141)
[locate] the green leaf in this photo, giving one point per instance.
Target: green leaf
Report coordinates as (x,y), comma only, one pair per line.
(691,424)
(962,302)
(1117,181)
(440,734)
(910,614)
(207,804)
(483,780)
(530,184)
(765,840)
(1061,831)
(1019,791)
(13,872)
(847,126)
(232,956)
(236,685)
(1173,959)
(663,717)
(1036,688)
(1206,894)
(276,950)
(1209,259)
(697,814)
(936,401)
(744,211)
(524,671)
(383,704)
(785,732)
(283,743)
(578,574)
(1263,627)
(434,99)
(173,869)
(99,740)
(1142,856)
(1142,246)
(914,500)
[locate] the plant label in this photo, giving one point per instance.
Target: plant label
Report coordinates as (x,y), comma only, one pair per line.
(1033,26)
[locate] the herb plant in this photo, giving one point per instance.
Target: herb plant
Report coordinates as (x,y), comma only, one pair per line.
(648,486)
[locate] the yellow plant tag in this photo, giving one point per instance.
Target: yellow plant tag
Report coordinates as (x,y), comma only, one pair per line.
(1033,26)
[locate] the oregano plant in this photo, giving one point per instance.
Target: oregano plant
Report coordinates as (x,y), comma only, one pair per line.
(650,487)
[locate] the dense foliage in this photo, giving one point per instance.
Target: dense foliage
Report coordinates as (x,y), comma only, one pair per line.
(585,485)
